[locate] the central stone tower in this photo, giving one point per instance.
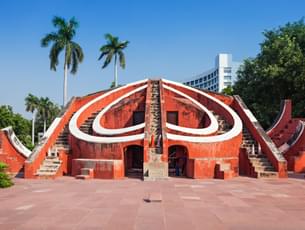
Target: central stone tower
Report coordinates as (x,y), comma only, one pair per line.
(155,168)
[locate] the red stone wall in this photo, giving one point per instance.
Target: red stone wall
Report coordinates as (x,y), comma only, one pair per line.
(121,115)
(101,169)
(9,155)
(189,115)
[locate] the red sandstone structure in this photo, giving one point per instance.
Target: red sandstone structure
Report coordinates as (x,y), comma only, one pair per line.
(288,134)
(159,128)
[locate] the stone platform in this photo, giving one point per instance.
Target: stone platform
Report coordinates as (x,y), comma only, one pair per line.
(240,203)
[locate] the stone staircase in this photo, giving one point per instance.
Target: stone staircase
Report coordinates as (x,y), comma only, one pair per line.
(62,141)
(86,127)
(52,163)
(155,169)
(49,167)
(261,166)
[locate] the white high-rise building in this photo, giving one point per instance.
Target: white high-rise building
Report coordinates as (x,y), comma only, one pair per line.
(218,78)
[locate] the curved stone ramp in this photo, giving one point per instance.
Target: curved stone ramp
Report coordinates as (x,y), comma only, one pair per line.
(212,128)
(98,128)
(16,143)
(282,119)
(294,149)
(76,132)
(233,132)
(12,152)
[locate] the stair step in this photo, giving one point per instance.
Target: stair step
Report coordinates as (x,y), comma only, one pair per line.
(264,168)
(46,173)
(267,174)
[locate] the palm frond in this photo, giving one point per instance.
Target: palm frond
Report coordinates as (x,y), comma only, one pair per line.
(122,59)
(79,51)
(124,44)
(106,48)
(52,37)
(31,103)
(54,53)
(108,59)
(108,37)
(59,22)
(73,23)
(75,62)
(102,55)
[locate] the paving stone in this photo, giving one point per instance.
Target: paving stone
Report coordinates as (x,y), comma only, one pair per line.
(241,203)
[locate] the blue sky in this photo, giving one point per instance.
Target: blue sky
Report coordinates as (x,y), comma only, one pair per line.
(175,39)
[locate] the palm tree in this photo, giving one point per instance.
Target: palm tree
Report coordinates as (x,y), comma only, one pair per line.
(113,47)
(62,41)
(45,110)
(31,103)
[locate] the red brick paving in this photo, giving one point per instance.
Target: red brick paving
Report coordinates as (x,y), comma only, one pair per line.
(240,203)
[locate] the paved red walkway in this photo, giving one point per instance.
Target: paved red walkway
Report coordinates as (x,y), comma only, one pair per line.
(241,203)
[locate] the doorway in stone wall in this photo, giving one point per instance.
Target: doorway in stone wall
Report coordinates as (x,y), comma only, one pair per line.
(133,159)
(177,161)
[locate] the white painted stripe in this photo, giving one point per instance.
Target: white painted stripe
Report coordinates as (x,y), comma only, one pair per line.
(235,131)
(52,127)
(278,121)
(16,142)
(76,132)
(250,115)
(213,127)
(282,147)
(103,131)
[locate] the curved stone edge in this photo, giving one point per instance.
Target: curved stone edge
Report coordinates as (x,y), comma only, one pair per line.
(235,131)
(212,128)
(299,132)
(16,142)
(76,132)
(282,118)
(103,131)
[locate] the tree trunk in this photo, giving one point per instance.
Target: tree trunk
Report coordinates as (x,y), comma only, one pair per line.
(33,128)
(115,71)
(65,85)
(44,125)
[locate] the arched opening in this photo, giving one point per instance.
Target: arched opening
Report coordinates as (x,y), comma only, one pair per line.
(133,159)
(177,161)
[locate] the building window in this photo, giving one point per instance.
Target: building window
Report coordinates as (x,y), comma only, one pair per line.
(227,69)
(200,80)
(228,78)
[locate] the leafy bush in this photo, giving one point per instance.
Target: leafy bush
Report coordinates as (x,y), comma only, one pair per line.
(5,180)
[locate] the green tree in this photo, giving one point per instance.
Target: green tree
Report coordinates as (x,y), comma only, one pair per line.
(276,73)
(62,41)
(228,90)
(47,112)
(31,103)
(21,126)
(113,48)
(5,180)
(44,110)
